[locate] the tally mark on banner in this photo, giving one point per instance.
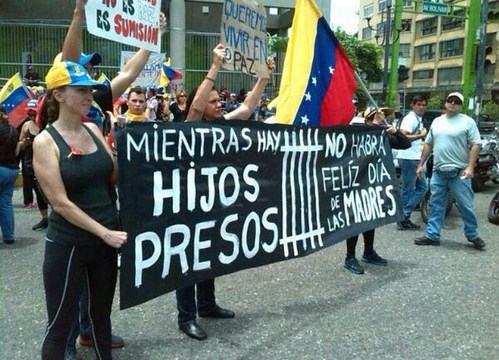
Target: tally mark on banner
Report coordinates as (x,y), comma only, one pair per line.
(299,169)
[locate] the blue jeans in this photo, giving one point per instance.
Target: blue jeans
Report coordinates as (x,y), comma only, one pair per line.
(7,180)
(463,193)
(413,188)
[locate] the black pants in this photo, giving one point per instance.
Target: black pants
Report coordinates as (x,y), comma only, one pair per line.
(186,300)
(368,243)
(30,184)
(65,268)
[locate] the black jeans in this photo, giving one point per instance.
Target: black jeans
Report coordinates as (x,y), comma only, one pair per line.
(186,300)
(65,268)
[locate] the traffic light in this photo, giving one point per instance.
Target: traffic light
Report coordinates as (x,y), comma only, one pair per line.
(493,16)
(403,73)
(488,62)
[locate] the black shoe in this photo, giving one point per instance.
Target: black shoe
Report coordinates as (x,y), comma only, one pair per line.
(43,224)
(352,265)
(407,225)
(426,241)
(218,313)
(71,354)
(192,330)
(478,242)
(374,259)
(8,242)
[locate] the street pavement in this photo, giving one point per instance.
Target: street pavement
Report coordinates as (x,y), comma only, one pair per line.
(428,303)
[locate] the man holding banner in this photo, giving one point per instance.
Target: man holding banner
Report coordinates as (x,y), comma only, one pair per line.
(204,104)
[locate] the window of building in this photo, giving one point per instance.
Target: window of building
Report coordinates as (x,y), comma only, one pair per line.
(428,26)
(451,48)
(381,6)
(404,50)
(368,11)
(367,33)
(447,76)
(407,3)
(423,74)
(406,25)
(425,52)
(449,23)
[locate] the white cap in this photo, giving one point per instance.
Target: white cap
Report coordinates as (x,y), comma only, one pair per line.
(456,94)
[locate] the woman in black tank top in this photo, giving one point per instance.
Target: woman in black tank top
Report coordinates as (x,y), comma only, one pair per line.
(76,171)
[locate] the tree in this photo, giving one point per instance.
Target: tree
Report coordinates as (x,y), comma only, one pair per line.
(491,109)
(366,60)
(435,102)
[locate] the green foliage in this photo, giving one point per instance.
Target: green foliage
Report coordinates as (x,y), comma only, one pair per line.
(366,60)
(491,109)
(365,57)
(277,43)
(435,103)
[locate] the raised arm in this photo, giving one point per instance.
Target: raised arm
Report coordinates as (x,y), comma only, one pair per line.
(198,105)
(134,66)
(248,107)
(72,47)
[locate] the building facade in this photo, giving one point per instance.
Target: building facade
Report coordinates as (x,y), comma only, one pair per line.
(432,46)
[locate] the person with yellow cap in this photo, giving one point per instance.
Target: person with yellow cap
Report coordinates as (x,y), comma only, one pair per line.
(103,103)
(76,171)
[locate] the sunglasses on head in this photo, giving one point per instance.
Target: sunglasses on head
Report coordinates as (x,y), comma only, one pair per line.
(455,101)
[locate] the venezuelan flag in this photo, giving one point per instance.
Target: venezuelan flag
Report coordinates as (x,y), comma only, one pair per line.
(104,79)
(318,83)
(168,74)
(14,96)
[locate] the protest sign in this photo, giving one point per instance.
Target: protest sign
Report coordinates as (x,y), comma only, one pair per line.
(200,200)
(151,73)
(244,34)
(131,22)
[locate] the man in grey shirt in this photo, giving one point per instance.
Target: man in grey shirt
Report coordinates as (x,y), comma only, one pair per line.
(455,142)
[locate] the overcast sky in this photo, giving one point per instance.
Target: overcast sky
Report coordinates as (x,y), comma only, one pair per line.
(344,15)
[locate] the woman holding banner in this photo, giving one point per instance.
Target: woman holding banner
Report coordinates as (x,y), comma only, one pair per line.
(203,104)
(397,140)
(76,171)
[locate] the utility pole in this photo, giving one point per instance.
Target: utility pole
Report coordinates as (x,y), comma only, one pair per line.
(470,42)
(392,86)
(480,60)
(387,29)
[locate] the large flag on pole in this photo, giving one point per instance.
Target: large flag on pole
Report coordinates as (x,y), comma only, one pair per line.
(14,96)
(318,81)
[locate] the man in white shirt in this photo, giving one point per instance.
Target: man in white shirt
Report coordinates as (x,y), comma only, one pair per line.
(413,188)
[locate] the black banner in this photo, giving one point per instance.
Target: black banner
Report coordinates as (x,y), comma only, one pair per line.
(200,200)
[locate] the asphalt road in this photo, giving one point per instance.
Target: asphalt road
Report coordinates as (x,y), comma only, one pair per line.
(428,303)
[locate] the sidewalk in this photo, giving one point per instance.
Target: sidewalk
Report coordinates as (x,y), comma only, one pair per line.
(428,303)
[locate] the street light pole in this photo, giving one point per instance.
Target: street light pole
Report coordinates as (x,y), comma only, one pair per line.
(387,29)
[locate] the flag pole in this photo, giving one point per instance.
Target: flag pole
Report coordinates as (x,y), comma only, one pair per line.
(364,88)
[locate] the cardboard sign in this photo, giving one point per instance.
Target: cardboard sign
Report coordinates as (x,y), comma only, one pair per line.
(244,34)
(200,200)
(131,22)
(151,73)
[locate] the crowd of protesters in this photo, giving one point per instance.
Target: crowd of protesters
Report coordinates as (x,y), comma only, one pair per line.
(60,106)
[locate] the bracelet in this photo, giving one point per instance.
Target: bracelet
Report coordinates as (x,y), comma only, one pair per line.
(209,78)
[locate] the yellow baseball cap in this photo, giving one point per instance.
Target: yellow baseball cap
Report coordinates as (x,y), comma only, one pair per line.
(68,73)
